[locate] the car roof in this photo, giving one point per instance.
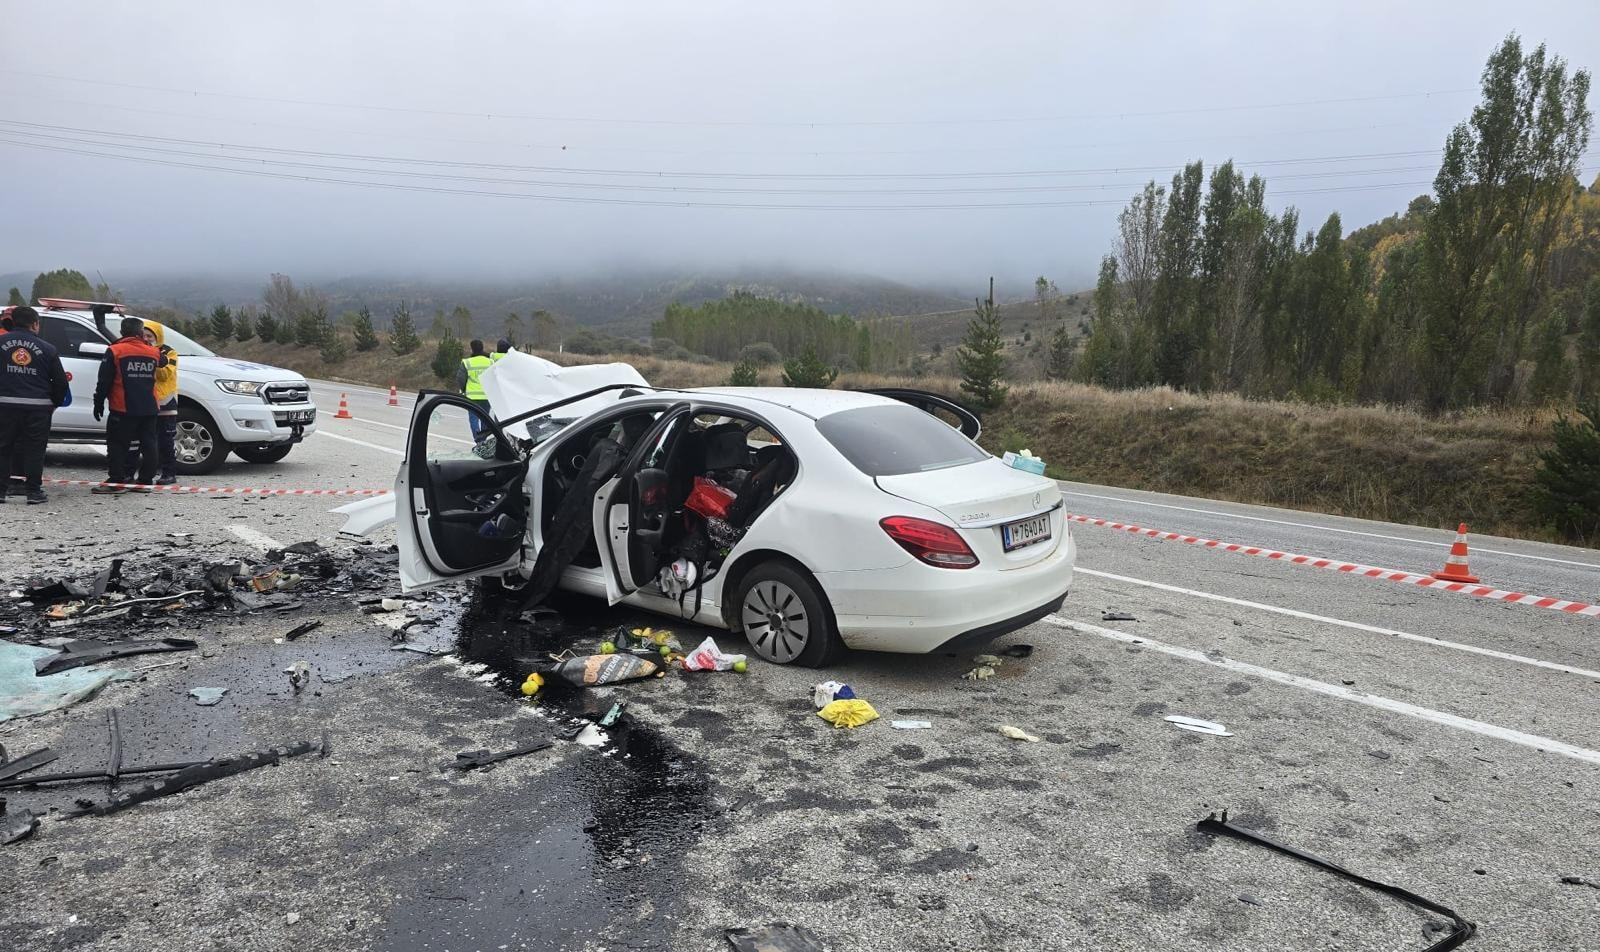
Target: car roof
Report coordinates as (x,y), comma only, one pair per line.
(812,403)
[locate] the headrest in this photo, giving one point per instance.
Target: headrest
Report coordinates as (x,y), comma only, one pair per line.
(727,447)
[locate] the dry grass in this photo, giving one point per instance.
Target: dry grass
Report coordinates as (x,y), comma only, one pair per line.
(1373,462)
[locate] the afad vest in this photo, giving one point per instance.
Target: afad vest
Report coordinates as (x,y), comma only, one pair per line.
(476,365)
(133,388)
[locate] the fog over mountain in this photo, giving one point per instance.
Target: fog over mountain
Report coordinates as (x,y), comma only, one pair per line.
(929,143)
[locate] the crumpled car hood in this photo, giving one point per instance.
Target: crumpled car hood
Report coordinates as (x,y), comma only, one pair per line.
(519,382)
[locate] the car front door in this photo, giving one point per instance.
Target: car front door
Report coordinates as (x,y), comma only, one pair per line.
(462,506)
(631,510)
(80,347)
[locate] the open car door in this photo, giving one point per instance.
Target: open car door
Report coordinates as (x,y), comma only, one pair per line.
(462,507)
(951,412)
(633,512)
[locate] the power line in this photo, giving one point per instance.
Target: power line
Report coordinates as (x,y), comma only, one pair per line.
(800,124)
(688,189)
(598,200)
(662,173)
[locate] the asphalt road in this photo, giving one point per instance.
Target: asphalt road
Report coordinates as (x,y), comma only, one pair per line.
(1438,741)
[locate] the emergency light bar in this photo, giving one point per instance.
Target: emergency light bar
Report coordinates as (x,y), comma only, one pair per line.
(67,304)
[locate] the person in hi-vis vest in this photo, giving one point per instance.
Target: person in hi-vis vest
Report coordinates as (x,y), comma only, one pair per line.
(469,380)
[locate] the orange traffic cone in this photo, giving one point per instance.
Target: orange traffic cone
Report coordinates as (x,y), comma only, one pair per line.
(344,410)
(1455,564)
(394,395)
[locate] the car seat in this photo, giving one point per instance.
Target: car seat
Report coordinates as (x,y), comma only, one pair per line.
(774,468)
(727,448)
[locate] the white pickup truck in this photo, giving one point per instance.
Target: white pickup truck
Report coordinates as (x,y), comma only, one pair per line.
(224,405)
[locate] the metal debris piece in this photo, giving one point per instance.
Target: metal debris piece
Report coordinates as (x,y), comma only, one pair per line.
(207,697)
(1198,726)
(911,725)
(299,630)
(777,937)
(1579,881)
(473,759)
(15,827)
(80,653)
(299,675)
(198,774)
(1462,929)
(1116,616)
(110,577)
(27,762)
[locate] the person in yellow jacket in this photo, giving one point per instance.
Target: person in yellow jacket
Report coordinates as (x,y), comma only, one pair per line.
(167,404)
(469,380)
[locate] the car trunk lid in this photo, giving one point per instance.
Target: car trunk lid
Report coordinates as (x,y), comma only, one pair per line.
(982,498)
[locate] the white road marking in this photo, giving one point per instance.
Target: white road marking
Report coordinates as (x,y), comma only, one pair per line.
(371,446)
(407,429)
(1307,525)
(1358,626)
(256,538)
(1339,692)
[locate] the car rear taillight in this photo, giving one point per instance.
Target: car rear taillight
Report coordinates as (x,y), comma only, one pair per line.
(930,542)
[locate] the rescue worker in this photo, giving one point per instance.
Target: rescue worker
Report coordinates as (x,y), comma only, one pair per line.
(469,382)
(167,400)
(501,348)
(32,384)
(128,385)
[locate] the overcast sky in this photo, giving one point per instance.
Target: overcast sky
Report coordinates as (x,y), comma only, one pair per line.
(859,106)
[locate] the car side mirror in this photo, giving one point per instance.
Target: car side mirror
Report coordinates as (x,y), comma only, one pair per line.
(91,349)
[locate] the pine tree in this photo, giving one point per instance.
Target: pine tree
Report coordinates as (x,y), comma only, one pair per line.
(1551,376)
(267,327)
(221,322)
(981,357)
(1059,363)
(403,332)
(1589,341)
(14,298)
(808,370)
(244,325)
(366,336)
(447,358)
(1566,489)
(334,347)
(744,375)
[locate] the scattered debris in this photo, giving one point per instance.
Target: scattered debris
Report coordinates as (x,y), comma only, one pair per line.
(982,672)
(591,736)
(207,697)
(613,715)
(911,725)
(474,759)
(829,691)
(1116,616)
(1017,651)
(27,762)
(708,657)
(79,653)
(299,630)
(1017,733)
(1198,726)
(197,774)
(1579,881)
(777,937)
(593,670)
(15,827)
(1249,899)
(291,918)
(1462,929)
(849,712)
(993,661)
(299,675)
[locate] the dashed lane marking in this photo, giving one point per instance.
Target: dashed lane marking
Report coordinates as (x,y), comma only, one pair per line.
(1357,626)
(256,538)
(1339,692)
(371,446)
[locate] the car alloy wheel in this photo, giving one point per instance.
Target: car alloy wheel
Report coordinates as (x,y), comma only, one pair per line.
(194,442)
(775,621)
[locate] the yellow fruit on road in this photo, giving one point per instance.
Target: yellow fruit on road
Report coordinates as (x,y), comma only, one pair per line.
(531,686)
(607,647)
(666,652)
(740,666)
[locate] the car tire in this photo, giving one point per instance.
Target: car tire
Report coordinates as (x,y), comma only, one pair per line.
(200,447)
(785,617)
(263,452)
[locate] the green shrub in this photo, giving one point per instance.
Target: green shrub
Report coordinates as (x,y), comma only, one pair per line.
(744,375)
(1566,486)
(808,370)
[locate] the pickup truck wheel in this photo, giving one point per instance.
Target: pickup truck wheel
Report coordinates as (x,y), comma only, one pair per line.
(201,449)
(263,452)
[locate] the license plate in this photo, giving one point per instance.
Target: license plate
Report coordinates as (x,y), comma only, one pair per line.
(302,416)
(1016,535)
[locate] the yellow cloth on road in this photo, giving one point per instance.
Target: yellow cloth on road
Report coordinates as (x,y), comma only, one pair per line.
(849,713)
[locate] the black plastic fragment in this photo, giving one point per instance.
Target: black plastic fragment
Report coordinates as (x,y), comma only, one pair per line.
(299,630)
(1116,616)
(15,827)
(27,762)
(55,591)
(81,775)
(114,761)
(778,937)
(473,759)
(110,577)
(1017,651)
(1462,929)
(201,773)
(299,548)
(79,653)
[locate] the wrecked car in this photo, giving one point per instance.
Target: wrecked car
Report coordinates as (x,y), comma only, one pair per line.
(807,520)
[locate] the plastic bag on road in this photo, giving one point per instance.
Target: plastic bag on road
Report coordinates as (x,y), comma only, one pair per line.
(708,657)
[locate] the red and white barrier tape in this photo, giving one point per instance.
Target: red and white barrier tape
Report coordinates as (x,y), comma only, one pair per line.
(1351,568)
(220,490)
